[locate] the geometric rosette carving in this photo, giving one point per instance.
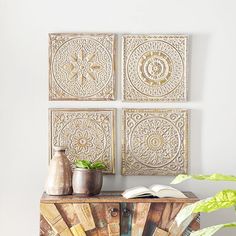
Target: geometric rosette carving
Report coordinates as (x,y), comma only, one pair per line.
(155,141)
(87,134)
(81,67)
(154,68)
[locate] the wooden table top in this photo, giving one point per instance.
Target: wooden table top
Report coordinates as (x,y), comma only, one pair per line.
(114,196)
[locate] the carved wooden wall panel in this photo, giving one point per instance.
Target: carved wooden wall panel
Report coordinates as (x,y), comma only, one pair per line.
(87,134)
(155,141)
(154,68)
(81,67)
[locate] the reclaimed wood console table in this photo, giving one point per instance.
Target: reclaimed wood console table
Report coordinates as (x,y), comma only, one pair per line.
(109,214)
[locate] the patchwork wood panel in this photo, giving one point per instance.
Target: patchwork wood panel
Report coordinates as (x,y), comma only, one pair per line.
(45,228)
(144,219)
(186,227)
(154,218)
(79,219)
(68,213)
(114,219)
(160,232)
(140,216)
(99,215)
(77,230)
(54,219)
(127,213)
(106,218)
(85,216)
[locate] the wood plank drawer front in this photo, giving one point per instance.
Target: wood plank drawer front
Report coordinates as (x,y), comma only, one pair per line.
(154,219)
(80,219)
(109,214)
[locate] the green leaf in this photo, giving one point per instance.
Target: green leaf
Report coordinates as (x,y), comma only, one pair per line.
(223,199)
(180,178)
(84,164)
(98,166)
(213,177)
(212,229)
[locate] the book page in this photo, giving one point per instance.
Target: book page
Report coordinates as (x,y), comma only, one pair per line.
(166,191)
(157,187)
(139,191)
(170,193)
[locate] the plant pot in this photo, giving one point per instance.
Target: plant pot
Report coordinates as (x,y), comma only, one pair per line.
(87,182)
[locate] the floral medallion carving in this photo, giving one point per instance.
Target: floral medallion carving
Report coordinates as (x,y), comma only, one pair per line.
(87,134)
(81,67)
(154,67)
(155,142)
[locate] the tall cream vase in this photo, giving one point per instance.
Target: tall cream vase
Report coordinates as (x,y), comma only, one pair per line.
(59,181)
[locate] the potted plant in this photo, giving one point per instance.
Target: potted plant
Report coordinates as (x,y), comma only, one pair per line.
(87,177)
(223,199)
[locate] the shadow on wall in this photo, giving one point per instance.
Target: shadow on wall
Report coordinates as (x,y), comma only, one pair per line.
(198,52)
(198,45)
(195,142)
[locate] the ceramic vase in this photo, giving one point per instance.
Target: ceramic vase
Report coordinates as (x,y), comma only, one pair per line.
(59,181)
(87,182)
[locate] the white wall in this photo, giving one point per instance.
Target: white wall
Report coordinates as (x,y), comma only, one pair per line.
(24,26)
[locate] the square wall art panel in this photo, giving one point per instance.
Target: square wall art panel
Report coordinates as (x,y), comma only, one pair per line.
(155,142)
(81,66)
(154,68)
(87,134)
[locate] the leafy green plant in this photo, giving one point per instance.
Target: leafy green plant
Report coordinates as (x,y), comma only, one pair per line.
(85,164)
(223,199)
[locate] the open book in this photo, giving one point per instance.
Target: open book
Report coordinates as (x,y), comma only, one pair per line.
(155,190)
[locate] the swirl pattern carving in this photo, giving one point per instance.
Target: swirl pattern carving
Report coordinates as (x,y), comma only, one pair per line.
(154,142)
(87,134)
(81,67)
(154,68)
